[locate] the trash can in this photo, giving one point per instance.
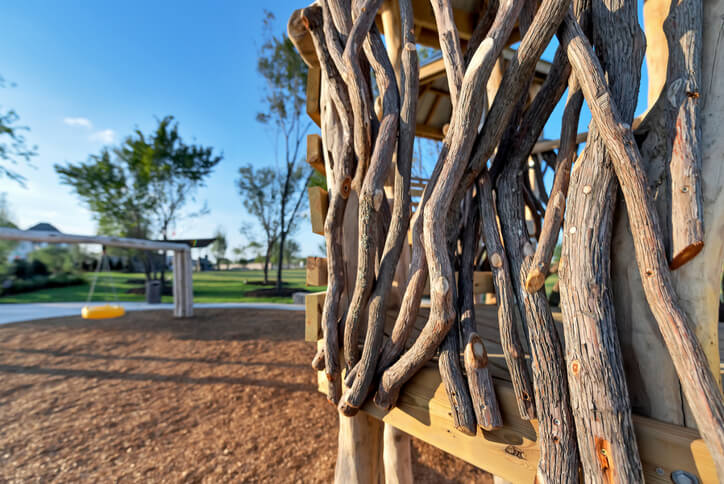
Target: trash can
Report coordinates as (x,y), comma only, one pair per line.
(153,292)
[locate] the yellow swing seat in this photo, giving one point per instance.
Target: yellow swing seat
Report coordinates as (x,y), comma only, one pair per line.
(106,311)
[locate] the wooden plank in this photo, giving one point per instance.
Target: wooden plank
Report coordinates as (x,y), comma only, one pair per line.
(423,412)
(61,238)
(314,86)
(318,205)
(430,132)
(424,17)
(483,282)
(315,155)
(313,305)
(316,271)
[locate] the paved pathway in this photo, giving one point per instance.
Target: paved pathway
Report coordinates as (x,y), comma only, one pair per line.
(13,313)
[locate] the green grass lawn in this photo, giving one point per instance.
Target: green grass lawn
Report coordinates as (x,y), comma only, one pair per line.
(213,286)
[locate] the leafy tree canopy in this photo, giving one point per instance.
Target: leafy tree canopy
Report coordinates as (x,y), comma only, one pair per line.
(139,188)
(13,147)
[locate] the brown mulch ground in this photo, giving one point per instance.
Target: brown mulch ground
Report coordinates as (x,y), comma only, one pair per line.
(226,396)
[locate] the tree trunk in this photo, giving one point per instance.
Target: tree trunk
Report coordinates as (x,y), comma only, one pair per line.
(267,257)
(282,241)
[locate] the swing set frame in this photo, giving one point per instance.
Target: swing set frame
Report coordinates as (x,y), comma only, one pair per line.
(183,305)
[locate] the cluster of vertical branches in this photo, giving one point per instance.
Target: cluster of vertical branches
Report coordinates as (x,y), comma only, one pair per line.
(484,182)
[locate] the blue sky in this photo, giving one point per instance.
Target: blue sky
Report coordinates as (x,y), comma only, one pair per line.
(89,72)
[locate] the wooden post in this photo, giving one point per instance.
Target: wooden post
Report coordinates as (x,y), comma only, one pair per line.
(183,303)
(359,450)
(187,296)
(177,271)
(397,456)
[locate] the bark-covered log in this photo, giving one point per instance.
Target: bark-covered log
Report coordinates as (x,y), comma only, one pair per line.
(450,46)
(557,200)
(459,140)
(374,176)
(672,136)
(449,358)
(399,224)
(557,442)
(507,309)
(601,405)
(698,383)
(456,388)
(475,356)
(341,177)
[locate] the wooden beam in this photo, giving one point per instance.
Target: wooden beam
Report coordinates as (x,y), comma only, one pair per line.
(423,411)
(318,205)
(424,17)
(313,305)
(316,271)
(430,132)
(61,238)
(315,155)
(433,107)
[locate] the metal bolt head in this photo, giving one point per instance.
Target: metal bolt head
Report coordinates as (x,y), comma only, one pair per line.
(683,477)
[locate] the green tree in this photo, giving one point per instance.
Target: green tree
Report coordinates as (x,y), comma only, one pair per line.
(13,147)
(291,252)
(219,246)
(285,77)
(259,191)
(6,220)
(140,188)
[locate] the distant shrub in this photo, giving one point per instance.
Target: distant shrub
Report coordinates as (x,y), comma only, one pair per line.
(15,285)
(38,268)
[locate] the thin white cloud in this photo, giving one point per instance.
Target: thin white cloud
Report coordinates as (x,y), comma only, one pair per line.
(105,136)
(82,122)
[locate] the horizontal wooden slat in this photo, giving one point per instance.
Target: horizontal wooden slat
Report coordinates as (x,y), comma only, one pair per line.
(313,305)
(316,271)
(315,155)
(318,204)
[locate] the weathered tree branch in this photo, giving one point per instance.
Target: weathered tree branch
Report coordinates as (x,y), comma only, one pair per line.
(698,383)
(557,200)
(371,198)
(480,382)
(507,308)
(400,220)
(459,140)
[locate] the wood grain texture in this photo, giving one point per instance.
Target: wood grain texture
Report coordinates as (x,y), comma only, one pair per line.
(459,141)
(507,307)
(601,406)
(512,452)
(698,383)
(475,355)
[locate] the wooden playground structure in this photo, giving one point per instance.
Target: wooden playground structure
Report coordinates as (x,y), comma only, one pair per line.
(183,295)
(623,383)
